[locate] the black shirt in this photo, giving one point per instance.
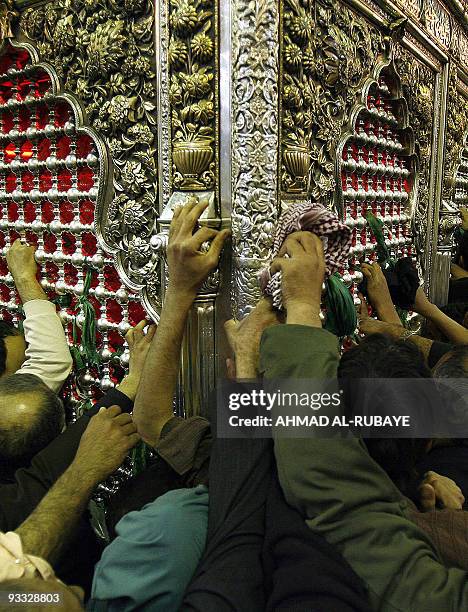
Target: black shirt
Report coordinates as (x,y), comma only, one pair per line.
(19,499)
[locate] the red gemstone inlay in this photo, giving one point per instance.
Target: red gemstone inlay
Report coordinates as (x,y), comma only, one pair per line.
(136,313)
(63,147)
(62,114)
(85,179)
(86,212)
(13,213)
(111,279)
(45,180)
(71,274)
(24,119)
(66,212)
(26,151)
(27,181)
(42,116)
(43,149)
(64,180)
(47,212)
(84,146)
(29,212)
(6,121)
(51,272)
(114,311)
(68,243)
(9,152)
(50,243)
(89,244)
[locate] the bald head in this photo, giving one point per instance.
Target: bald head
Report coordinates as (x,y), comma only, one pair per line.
(31,416)
(20,409)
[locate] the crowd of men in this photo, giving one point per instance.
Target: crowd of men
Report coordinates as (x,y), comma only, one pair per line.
(220,524)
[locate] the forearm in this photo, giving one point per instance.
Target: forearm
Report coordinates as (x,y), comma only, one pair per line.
(129,386)
(47,355)
(386,311)
(357,508)
(453,331)
(154,400)
(398,332)
(423,344)
(47,531)
(29,289)
(246,366)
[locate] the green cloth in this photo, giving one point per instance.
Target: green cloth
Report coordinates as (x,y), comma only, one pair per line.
(346,497)
(154,556)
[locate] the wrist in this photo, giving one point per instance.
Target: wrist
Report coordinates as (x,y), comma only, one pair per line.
(303,313)
(83,476)
(428,310)
(246,365)
(29,288)
(24,276)
(183,297)
(129,385)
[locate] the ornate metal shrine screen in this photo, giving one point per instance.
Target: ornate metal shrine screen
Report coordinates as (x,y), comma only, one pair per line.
(251,104)
(54,184)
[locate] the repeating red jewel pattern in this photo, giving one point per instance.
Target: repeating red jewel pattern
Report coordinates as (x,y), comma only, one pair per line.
(49,174)
(376,177)
(461,180)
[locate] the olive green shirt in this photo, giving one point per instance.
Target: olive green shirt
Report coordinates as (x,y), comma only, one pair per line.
(345,496)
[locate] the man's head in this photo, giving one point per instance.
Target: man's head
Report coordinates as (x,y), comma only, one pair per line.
(31,416)
(451,373)
(453,364)
(381,357)
(12,349)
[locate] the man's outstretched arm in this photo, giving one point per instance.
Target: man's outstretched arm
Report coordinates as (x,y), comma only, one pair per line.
(455,332)
(188,268)
(103,447)
(47,355)
(341,492)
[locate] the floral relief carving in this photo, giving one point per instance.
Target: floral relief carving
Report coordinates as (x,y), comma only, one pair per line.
(103,52)
(192,93)
(8,13)
(418,83)
(255,70)
(457,126)
(327,52)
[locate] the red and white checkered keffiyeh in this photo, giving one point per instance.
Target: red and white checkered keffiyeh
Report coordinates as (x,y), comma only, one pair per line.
(312,217)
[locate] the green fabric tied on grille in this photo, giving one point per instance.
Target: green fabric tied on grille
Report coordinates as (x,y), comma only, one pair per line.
(383,255)
(341,312)
(88,356)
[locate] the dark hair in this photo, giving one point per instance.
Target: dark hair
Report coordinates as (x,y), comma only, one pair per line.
(462,250)
(6,329)
(454,364)
(20,442)
(379,356)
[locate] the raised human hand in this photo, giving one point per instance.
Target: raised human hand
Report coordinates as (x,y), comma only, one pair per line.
(188,262)
(244,337)
(303,273)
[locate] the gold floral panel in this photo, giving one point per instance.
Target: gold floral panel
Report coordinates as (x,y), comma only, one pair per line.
(193,95)
(103,52)
(327,52)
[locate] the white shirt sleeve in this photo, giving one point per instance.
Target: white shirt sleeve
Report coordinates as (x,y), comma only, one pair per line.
(47,354)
